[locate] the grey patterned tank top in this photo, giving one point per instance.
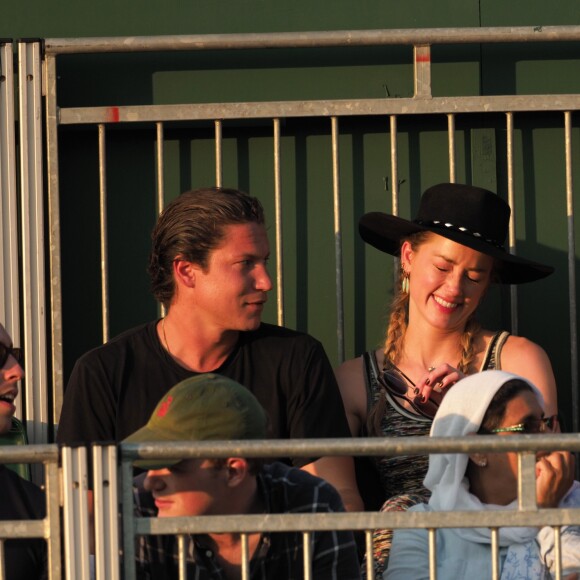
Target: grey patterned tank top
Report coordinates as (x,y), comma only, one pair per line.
(405,474)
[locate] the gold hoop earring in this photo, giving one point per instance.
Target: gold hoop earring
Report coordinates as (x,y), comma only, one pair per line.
(405,281)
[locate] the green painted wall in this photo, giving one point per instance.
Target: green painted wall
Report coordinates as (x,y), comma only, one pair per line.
(366,179)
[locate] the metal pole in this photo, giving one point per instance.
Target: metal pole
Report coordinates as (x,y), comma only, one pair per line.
(279,239)
(572,272)
(451,137)
(512,225)
(337,240)
(103,223)
(218,153)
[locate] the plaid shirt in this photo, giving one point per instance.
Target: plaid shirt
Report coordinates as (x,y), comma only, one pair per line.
(279,555)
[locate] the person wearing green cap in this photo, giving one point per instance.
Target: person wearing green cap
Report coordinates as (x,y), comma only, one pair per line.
(208,268)
(213,407)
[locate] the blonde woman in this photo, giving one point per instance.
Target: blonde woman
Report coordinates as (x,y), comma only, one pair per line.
(449,254)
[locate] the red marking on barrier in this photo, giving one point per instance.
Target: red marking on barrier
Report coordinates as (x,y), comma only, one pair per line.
(114,114)
(423,58)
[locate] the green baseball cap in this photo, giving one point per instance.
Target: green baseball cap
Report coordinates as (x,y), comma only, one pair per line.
(201,408)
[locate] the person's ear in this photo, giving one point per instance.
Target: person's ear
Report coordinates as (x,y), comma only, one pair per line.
(407,254)
(237,470)
(480,459)
(184,272)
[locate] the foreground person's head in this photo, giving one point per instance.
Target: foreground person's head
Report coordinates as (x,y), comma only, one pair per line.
(203,408)
(491,402)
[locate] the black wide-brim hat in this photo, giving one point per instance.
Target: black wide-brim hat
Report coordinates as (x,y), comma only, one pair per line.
(471,216)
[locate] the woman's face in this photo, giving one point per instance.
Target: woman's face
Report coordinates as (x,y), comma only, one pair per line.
(501,471)
(447,281)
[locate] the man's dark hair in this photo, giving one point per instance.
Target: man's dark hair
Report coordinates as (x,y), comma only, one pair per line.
(497,407)
(190,227)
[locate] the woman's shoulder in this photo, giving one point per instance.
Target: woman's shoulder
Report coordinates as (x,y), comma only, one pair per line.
(352,382)
(353,370)
(517,348)
(349,371)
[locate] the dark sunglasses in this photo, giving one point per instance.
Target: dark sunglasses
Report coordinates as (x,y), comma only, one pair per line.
(396,383)
(6,351)
(531,426)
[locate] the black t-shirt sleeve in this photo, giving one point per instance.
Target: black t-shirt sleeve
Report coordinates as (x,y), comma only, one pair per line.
(89,406)
(315,407)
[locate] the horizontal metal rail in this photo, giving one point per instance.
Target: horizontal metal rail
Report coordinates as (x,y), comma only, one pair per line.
(379,446)
(312,39)
(527,513)
(355,521)
(317,108)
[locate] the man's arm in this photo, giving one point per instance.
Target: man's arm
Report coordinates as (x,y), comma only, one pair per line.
(316,410)
(335,555)
(339,472)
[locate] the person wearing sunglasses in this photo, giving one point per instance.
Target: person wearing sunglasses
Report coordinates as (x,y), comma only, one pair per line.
(22,500)
(449,254)
(502,404)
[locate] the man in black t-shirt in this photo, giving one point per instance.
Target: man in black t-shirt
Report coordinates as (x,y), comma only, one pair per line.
(21,499)
(208,268)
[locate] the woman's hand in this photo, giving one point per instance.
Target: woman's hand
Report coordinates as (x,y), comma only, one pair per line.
(435,383)
(554,476)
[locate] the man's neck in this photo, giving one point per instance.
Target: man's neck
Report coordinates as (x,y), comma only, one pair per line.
(193,345)
(247,500)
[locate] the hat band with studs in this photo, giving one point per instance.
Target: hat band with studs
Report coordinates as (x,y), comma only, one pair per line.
(461,229)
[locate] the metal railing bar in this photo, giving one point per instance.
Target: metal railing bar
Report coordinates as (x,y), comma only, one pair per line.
(370,446)
(337,241)
(9,282)
(18,529)
(54,235)
(245,557)
(307,553)
(394,184)
(181,556)
(451,139)
(33,243)
(218,153)
(432,553)
(318,108)
(278,222)
(160,165)
(572,272)
(312,39)
(129,521)
(52,521)
(512,224)
(103,232)
(495,567)
(355,521)
(28,453)
(558,551)
(369,555)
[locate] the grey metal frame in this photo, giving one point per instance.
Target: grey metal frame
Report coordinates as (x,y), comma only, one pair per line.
(527,514)
(34,314)
(421,103)
(49,528)
(10,280)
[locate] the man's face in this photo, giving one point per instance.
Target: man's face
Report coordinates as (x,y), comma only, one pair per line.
(230,294)
(10,373)
(192,487)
